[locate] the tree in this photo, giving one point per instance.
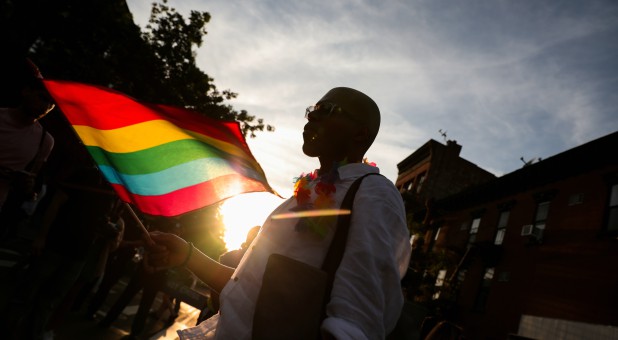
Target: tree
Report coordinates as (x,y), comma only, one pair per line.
(172,40)
(97,42)
(421,280)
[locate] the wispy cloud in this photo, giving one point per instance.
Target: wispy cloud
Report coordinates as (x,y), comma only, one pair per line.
(506,79)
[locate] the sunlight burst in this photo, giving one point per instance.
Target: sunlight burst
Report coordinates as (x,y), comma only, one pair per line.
(243,212)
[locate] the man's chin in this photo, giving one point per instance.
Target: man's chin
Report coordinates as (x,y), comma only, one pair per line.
(309,151)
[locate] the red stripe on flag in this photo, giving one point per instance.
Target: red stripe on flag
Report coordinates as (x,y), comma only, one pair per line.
(191,198)
(104,108)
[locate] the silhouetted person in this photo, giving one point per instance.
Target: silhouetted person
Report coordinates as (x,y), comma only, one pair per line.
(108,234)
(121,262)
(60,250)
(24,144)
(149,282)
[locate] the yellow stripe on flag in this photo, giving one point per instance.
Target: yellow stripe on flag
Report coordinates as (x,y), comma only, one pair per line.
(146,135)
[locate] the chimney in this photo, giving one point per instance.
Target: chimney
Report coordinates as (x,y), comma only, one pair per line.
(453,148)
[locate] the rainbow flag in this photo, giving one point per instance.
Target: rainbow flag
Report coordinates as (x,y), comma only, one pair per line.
(165,160)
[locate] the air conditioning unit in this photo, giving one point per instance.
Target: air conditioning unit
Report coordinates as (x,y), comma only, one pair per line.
(531,230)
(527,230)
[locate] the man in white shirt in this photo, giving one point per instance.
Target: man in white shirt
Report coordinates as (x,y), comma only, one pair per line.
(366,297)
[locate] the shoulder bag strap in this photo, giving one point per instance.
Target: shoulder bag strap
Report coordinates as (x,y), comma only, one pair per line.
(337,247)
(30,165)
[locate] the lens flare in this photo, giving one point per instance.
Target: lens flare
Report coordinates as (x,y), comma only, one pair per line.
(311,213)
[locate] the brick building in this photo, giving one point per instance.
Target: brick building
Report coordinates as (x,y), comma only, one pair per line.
(435,171)
(535,251)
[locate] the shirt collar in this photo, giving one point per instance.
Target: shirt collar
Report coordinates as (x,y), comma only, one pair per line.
(354,170)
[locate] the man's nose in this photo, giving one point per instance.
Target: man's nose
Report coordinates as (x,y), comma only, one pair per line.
(314,115)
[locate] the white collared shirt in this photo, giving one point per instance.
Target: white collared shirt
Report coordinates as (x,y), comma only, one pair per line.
(366,298)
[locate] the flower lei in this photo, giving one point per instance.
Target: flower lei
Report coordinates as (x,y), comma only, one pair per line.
(325,191)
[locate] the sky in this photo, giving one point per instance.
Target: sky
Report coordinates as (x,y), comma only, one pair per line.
(505,79)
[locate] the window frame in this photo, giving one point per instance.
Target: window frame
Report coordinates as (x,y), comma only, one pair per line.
(474,230)
(541,214)
(503,221)
(482,295)
(420,180)
(611,214)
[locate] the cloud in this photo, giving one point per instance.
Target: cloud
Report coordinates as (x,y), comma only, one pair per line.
(506,79)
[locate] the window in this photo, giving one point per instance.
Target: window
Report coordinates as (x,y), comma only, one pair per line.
(421,180)
(474,229)
(409,185)
(439,283)
(461,275)
(575,199)
(483,294)
(502,222)
(489,274)
(500,236)
(612,220)
(504,276)
(540,218)
(440,278)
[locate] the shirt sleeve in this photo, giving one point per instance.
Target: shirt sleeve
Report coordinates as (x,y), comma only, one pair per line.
(366,299)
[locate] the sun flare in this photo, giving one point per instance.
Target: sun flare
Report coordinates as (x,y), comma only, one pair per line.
(243,212)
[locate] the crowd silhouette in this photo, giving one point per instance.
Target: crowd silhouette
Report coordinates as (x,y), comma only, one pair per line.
(66,237)
(78,244)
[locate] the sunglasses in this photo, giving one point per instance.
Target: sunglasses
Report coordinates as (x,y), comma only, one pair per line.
(323,110)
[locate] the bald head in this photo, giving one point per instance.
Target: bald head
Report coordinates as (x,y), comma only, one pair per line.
(359,106)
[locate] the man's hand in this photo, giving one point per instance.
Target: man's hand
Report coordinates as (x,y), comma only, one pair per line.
(167,251)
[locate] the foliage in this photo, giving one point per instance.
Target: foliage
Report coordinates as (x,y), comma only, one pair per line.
(425,265)
(97,42)
(172,40)
(205,229)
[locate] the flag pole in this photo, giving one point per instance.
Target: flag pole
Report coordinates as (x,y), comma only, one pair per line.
(140,224)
